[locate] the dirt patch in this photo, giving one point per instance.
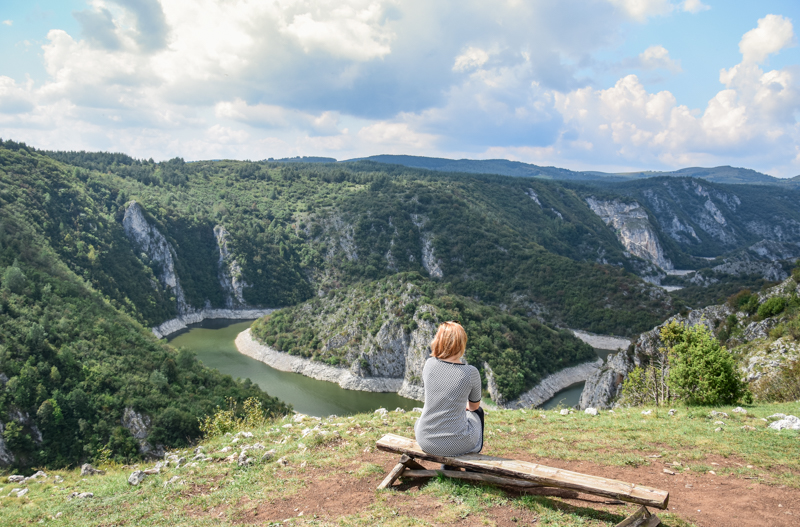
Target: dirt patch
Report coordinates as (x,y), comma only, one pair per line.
(704,499)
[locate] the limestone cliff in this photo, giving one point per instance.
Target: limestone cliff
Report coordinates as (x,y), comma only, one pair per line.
(230,272)
(154,247)
(632,226)
(747,336)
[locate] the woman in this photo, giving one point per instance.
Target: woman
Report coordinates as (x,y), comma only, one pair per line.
(452,419)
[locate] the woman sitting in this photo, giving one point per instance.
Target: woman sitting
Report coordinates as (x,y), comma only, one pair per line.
(452,419)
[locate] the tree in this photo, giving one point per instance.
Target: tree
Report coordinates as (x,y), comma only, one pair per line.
(14,280)
(701,371)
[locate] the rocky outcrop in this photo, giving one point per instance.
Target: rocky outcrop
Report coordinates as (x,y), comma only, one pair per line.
(429,261)
(633,229)
(229,272)
(547,387)
(138,424)
(316,370)
(6,456)
(193,317)
(154,247)
(605,383)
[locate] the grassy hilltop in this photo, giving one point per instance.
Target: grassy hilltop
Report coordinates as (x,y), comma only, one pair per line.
(739,472)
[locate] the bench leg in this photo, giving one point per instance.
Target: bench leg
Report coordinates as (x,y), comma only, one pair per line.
(397,471)
(641,518)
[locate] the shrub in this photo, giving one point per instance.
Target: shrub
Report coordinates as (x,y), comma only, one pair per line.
(772,307)
(702,371)
(745,301)
(780,387)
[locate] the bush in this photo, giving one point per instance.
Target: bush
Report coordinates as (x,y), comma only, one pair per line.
(745,301)
(783,386)
(772,307)
(702,371)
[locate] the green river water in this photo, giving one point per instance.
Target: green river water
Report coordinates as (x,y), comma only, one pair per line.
(213,343)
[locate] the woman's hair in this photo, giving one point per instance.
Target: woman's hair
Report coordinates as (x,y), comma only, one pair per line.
(450,341)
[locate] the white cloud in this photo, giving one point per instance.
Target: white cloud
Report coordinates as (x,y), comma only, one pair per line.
(773,34)
(272,116)
(353,32)
(655,57)
(254,79)
(470,59)
(752,118)
(8,22)
(396,137)
(694,6)
(14,99)
(643,9)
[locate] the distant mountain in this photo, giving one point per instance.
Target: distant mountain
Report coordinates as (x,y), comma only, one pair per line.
(504,167)
(723,174)
(304,159)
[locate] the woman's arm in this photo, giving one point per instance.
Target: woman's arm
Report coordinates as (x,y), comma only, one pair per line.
(473,406)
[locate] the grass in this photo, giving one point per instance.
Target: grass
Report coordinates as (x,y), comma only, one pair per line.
(342,450)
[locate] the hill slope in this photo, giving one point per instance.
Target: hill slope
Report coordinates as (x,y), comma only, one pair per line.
(79,376)
(324,472)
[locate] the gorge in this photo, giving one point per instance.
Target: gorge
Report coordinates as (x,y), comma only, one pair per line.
(347,266)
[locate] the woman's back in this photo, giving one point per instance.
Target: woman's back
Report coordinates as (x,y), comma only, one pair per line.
(446,428)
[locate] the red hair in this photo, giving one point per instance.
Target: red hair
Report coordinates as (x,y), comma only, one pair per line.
(450,341)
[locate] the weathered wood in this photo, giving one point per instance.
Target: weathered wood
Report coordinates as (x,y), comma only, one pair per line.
(472,476)
(413,464)
(395,472)
(546,476)
(635,519)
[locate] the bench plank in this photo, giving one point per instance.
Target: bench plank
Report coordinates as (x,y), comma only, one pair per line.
(546,476)
(472,476)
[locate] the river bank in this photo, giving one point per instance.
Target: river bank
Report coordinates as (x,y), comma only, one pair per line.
(603,342)
(182,322)
(309,368)
(553,384)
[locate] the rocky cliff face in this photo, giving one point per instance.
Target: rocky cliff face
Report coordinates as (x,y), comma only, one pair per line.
(6,456)
(139,426)
(633,229)
(230,272)
(759,356)
(154,247)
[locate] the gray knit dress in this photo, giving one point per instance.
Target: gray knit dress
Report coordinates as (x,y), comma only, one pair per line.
(446,427)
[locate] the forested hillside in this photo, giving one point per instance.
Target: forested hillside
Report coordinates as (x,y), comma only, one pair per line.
(73,361)
(300,228)
(97,247)
(352,324)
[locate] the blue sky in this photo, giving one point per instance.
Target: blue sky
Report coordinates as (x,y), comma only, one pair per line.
(584,84)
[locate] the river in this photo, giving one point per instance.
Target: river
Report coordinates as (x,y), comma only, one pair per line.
(571,395)
(212,342)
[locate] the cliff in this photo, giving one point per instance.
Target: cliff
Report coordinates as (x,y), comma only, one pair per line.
(632,226)
(383,330)
(154,248)
(738,324)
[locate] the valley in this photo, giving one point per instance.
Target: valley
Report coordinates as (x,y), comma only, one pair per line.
(348,269)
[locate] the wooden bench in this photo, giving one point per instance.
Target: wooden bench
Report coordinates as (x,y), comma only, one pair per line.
(522,474)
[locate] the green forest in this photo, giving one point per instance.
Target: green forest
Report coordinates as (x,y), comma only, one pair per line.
(519,349)
(511,257)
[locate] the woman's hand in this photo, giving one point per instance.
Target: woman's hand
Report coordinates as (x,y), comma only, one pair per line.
(473,406)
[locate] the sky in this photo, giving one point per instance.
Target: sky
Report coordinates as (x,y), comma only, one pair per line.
(612,85)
